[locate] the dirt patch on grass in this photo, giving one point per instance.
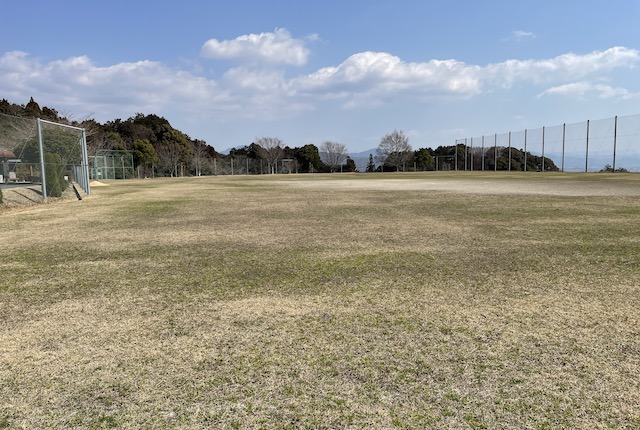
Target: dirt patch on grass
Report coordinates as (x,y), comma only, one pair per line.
(486,184)
(17,197)
(26,197)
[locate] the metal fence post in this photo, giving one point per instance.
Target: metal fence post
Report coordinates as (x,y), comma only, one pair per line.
(42,167)
(466,154)
(85,168)
(543,149)
(495,152)
(525,149)
(483,153)
(586,156)
(564,136)
(456,155)
(615,140)
(509,151)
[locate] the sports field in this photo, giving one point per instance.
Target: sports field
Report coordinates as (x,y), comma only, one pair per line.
(434,300)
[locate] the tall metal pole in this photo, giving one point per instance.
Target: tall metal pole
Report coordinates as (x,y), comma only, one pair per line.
(456,155)
(525,149)
(85,162)
(509,151)
(466,154)
(495,152)
(564,135)
(44,180)
(586,157)
(615,140)
(471,156)
(483,153)
(543,148)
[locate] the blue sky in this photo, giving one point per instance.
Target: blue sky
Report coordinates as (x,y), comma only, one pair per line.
(309,71)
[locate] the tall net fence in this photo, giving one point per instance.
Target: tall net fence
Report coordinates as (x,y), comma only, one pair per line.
(40,153)
(249,166)
(610,144)
(112,164)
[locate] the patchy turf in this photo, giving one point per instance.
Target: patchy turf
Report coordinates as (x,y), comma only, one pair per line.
(326,301)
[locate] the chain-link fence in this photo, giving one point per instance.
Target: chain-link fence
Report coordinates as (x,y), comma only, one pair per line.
(34,152)
(241,165)
(111,164)
(611,144)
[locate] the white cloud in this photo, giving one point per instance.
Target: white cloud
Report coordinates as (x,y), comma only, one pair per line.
(278,47)
(78,84)
(518,35)
(262,93)
(584,89)
(363,80)
(566,67)
(369,76)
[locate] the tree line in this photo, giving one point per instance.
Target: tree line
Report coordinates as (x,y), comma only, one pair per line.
(161,150)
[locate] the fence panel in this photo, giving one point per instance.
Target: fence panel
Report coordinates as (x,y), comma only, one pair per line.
(627,147)
(535,147)
(40,153)
(553,145)
(600,144)
(500,151)
(589,146)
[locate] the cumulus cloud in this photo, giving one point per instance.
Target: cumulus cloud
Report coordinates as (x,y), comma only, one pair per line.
(371,75)
(363,80)
(77,83)
(368,78)
(584,89)
(566,67)
(278,47)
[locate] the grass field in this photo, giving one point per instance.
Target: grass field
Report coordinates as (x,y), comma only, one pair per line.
(436,300)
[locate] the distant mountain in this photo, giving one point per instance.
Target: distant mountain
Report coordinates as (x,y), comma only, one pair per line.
(228,150)
(362,158)
(366,153)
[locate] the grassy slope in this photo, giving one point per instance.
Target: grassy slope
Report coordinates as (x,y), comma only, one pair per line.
(237,302)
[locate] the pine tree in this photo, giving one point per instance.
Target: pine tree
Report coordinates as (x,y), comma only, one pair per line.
(33,109)
(371,166)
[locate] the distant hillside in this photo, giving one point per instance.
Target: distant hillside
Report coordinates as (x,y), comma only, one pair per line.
(362,158)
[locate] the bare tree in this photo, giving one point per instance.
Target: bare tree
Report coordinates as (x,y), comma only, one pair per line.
(169,158)
(199,155)
(270,149)
(333,154)
(394,149)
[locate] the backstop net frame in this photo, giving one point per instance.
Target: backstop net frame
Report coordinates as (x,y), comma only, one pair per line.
(45,153)
(112,164)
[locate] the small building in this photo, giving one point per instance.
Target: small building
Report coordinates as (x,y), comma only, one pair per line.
(8,163)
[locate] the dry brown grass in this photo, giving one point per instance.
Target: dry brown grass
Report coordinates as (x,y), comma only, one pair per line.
(326,301)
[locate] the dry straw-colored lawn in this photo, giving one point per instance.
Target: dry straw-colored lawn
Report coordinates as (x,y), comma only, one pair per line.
(454,301)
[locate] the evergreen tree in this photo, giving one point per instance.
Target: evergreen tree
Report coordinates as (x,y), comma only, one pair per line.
(371,166)
(33,109)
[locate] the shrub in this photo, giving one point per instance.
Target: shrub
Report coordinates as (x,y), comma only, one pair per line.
(609,169)
(54,175)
